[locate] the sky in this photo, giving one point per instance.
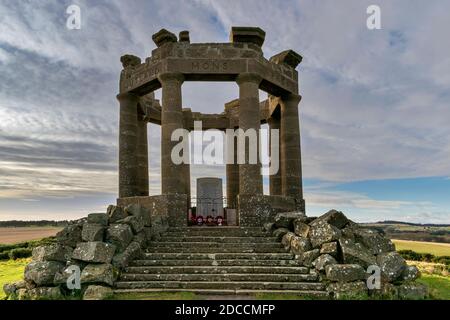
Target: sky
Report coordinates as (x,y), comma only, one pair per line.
(375,111)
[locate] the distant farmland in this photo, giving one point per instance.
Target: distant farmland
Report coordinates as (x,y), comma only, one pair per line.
(12,235)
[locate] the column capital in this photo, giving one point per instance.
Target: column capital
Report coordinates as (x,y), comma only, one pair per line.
(292,98)
(171,76)
(248,77)
(127,96)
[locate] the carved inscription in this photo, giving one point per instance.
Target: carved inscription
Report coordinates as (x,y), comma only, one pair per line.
(142,75)
(209,66)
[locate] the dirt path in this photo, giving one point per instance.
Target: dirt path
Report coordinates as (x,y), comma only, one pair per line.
(20,234)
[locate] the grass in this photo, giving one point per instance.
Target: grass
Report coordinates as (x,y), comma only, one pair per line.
(439,286)
(11,271)
(435,248)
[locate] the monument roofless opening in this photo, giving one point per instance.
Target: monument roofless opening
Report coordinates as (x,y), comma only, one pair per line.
(175,61)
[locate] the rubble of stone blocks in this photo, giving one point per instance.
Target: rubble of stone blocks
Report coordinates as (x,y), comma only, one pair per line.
(101,245)
(342,252)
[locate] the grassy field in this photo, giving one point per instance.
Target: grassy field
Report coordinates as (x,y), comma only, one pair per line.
(438,249)
(11,271)
(21,234)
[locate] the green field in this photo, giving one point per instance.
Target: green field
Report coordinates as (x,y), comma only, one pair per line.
(437,249)
(11,271)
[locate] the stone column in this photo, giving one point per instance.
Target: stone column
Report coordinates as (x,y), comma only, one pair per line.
(232,178)
(291,170)
(250,179)
(172,175)
(142,156)
(274,179)
(128,132)
(187,179)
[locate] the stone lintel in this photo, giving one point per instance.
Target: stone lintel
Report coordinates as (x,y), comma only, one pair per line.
(163,36)
(253,35)
(287,57)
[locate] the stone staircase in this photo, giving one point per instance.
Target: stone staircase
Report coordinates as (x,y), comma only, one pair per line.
(219,260)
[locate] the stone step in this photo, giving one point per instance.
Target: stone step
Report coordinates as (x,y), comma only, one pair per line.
(217,256)
(215,270)
(206,262)
(230,245)
(220,239)
(229,285)
(217,231)
(214,250)
(301,293)
(220,277)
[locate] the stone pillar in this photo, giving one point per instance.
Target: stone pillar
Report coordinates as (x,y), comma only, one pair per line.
(187,179)
(128,145)
(172,175)
(232,178)
(291,170)
(274,179)
(142,156)
(250,178)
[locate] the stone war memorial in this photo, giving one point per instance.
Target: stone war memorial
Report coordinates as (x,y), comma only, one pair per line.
(266,243)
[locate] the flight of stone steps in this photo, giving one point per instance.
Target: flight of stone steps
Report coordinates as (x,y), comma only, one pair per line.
(219,260)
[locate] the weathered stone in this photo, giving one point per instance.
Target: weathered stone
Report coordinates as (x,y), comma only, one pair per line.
(98,273)
(98,252)
(330,248)
(116,213)
(62,276)
(163,36)
(412,291)
(98,218)
(286,240)
(287,57)
(141,239)
(132,252)
(372,240)
(280,232)
(322,261)
(269,226)
(308,257)
(151,233)
(345,272)
(410,273)
(135,222)
(387,291)
(52,252)
(45,293)
(70,235)
(9,289)
(119,235)
(140,211)
(183,36)
(348,290)
(286,219)
(332,217)
(352,253)
(391,264)
(299,245)
(42,272)
(94,292)
(92,232)
(301,228)
(247,34)
(22,294)
(129,60)
(321,233)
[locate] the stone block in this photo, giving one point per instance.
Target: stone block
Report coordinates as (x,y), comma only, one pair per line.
(45,293)
(308,257)
(280,232)
(333,217)
(322,261)
(52,252)
(162,37)
(92,232)
(132,252)
(247,34)
(286,219)
(140,211)
(136,223)
(373,240)
(116,213)
(98,218)
(391,264)
(286,240)
(42,273)
(97,252)
(301,228)
(70,235)
(348,290)
(323,232)
(330,248)
(95,292)
(287,57)
(412,291)
(345,272)
(120,235)
(352,253)
(99,274)
(410,273)
(299,245)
